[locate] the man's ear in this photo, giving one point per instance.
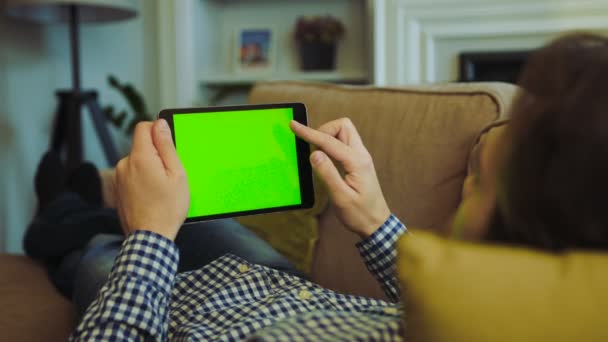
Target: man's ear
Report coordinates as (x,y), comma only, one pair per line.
(472,217)
(490,156)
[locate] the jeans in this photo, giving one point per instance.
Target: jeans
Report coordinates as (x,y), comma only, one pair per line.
(90,240)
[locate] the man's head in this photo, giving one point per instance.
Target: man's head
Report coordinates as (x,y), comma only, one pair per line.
(546,176)
(553,180)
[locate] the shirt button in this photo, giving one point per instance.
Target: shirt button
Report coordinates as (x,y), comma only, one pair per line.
(243,268)
(304,295)
(390,311)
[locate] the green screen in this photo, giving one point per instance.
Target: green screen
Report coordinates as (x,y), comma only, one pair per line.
(238,160)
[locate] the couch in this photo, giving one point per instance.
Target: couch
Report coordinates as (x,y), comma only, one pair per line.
(420,138)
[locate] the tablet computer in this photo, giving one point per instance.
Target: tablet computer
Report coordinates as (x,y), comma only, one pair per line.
(242,160)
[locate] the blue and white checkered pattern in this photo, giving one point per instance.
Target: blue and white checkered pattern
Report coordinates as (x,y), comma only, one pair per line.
(381,261)
(232,299)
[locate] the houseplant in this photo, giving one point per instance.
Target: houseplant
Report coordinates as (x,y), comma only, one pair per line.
(135,100)
(317,38)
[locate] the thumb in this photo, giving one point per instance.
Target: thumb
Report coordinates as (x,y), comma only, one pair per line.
(161,136)
(329,174)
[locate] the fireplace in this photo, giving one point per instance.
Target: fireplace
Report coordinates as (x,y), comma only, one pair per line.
(501,66)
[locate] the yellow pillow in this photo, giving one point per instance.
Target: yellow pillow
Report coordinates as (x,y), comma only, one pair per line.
(457,291)
(292,233)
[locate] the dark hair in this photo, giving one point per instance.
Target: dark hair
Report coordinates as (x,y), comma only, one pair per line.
(553,177)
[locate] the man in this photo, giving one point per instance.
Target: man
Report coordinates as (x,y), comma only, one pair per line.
(519,176)
(231,298)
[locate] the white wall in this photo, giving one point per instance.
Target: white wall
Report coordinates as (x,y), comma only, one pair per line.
(34,61)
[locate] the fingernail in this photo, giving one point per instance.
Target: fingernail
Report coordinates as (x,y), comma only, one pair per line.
(164,126)
(317,157)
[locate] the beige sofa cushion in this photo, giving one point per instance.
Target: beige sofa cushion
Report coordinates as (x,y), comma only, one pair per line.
(420,138)
(32,310)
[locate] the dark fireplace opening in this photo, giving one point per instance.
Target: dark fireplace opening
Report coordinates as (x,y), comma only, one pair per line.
(500,66)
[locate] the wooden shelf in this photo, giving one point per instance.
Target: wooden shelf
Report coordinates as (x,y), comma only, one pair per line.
(234,79)
(205,45)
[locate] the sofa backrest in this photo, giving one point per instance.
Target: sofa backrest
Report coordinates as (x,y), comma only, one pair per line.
(420,138)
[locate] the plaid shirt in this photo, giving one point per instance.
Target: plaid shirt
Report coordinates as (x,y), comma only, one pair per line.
(231,299)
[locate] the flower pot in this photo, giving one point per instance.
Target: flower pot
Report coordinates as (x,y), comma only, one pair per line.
(317,56)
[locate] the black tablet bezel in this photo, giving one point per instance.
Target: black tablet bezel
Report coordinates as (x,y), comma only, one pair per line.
(302,149)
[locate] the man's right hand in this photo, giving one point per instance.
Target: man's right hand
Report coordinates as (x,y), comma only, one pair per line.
(151,185)
(357,197)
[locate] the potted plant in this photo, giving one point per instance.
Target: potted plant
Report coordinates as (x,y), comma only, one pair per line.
(317,38)
(125,120)
(135,101)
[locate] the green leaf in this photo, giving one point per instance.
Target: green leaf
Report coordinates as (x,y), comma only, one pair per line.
(135,101)
(113,81)
(108,111)
(131,127)
(120,118)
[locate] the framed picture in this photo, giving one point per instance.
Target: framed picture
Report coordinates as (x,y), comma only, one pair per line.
(255,48)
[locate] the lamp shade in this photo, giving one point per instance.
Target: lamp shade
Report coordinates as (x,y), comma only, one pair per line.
(49,11)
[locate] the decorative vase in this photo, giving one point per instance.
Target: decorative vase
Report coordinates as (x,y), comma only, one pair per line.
(317,56)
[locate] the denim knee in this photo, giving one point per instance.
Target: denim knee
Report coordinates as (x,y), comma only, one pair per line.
(94,268)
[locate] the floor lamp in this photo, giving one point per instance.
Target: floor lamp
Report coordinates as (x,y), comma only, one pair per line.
(67,130)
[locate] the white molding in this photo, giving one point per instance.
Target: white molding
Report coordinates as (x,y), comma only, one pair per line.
(438,8)
(166,54)
(176,69)
(186,76)
(429,57)
(378,14)
(421,26)
(516,27)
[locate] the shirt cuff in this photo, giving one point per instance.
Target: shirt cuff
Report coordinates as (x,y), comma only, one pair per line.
(148,256)
(378,250)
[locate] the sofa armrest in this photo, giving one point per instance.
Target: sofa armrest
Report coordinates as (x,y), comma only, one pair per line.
(31,308)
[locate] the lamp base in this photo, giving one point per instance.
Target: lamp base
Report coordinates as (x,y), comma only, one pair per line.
(67,130)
